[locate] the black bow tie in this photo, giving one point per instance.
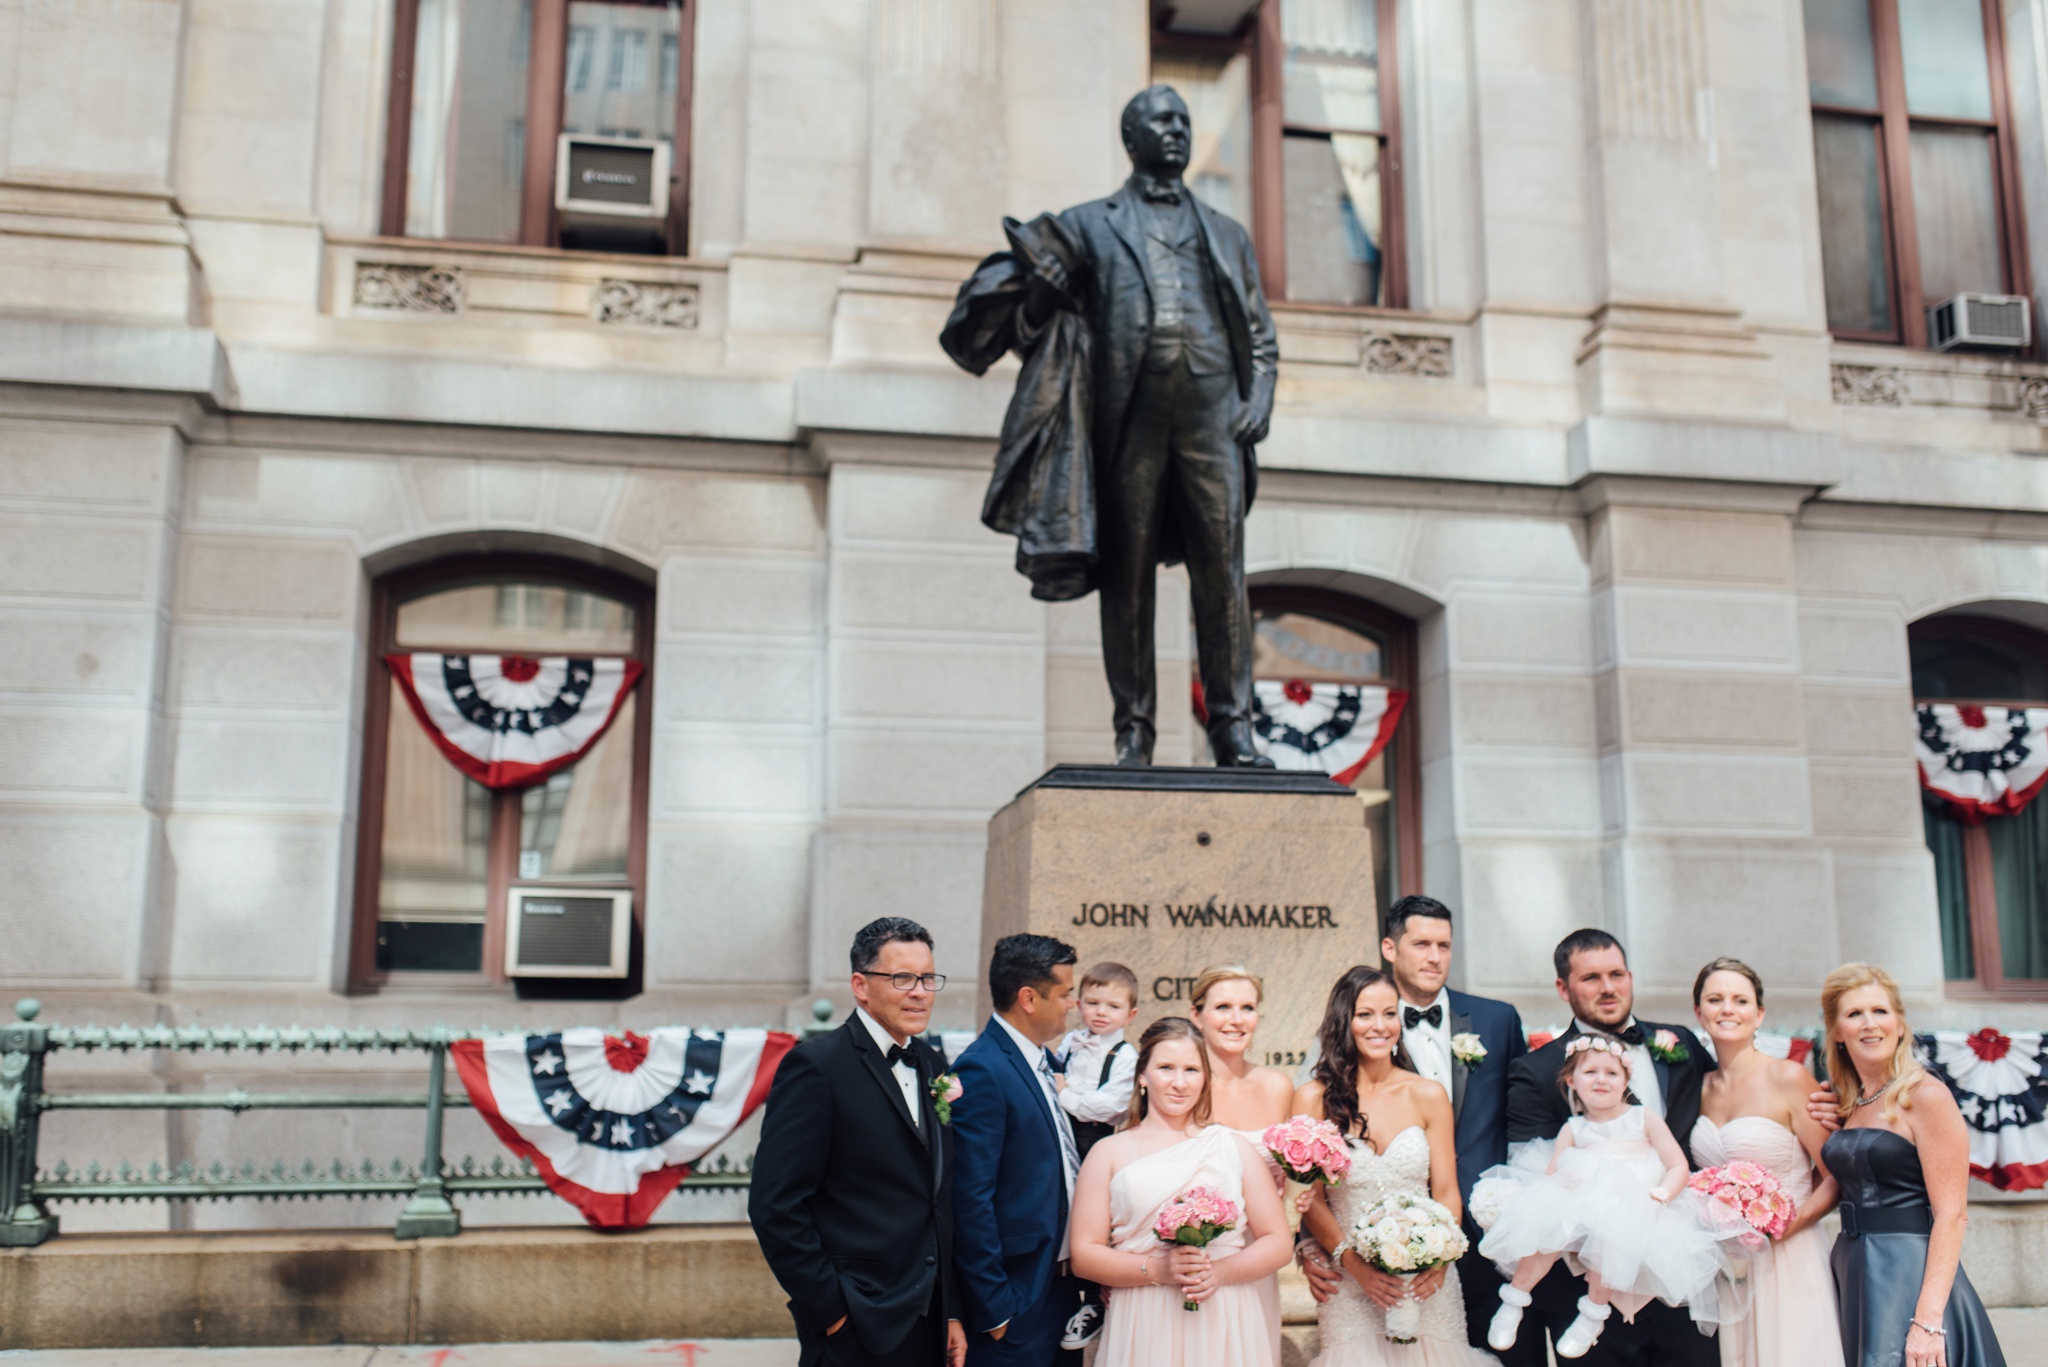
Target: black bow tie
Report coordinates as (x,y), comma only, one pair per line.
(1630,1034)
(903,1053)
(1410,1017)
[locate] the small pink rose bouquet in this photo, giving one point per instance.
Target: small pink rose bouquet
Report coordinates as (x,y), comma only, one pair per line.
(1309,1150)
(1195,1218)
(1746,1197)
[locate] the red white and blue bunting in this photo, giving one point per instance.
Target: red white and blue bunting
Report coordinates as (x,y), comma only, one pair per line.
(1329,728)
(1986,761)
(508,721)
(1998,1081)
(612,1122)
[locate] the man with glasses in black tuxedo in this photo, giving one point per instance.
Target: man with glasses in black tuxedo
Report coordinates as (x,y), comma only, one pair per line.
(852,1193)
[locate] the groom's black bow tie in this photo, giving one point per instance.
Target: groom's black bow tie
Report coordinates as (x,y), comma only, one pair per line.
(902,1053)
(1410,1017)
(1630,1034)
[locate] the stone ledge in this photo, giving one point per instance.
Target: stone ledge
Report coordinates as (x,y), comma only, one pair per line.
(492,1285)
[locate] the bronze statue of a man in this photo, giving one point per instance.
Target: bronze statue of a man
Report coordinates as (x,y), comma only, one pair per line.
(1149,364)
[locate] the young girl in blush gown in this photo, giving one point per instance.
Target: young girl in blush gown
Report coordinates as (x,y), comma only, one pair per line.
(1247,1097)
(1614,1198)
(1168,1148)
(1753,1108)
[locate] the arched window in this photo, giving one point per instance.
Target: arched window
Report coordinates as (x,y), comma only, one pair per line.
(440,853)
(1319,636)
(1991,872)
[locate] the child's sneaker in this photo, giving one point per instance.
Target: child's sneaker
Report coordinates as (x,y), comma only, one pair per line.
(1584,1331)
(1507,1321)
(1082,1328)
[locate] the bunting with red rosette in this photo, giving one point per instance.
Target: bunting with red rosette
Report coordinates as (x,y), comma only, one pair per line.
(614,1122)
(1998,1082)
(508,721)
(1329,728)
(1986,761)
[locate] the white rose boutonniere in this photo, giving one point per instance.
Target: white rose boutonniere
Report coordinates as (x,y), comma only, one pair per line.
(1466,1049)
(1665,1047)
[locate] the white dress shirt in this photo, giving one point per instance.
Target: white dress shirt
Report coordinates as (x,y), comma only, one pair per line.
(1034,1054)
(903,1072)
(1430,1045)
(1642,1069)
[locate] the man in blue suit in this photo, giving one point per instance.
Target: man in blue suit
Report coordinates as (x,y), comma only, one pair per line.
(1466,1044)
(1014,1161)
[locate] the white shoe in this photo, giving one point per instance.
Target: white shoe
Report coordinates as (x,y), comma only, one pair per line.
(1507,1321)
(1578,1339)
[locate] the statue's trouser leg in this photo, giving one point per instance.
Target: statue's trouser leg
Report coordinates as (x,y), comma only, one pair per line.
(1131,491)
(1206,483)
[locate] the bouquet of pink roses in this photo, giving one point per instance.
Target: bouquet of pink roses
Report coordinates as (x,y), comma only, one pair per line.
(1309,1150)
(1195,1217)
(1747,1197)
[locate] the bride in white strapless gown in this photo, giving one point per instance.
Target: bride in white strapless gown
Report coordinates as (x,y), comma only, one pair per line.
(1353,1327)
(1792,1318)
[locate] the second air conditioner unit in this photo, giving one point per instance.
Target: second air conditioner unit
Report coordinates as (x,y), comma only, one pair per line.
(1981,320)
(616,178)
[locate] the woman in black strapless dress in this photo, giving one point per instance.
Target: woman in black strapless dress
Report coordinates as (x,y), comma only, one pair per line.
(1903,1161)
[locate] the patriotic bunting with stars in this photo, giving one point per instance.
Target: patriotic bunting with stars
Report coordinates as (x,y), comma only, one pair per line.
(613,1123)
(1987,761)
(1998,1082)
(1318,728)
(508,721)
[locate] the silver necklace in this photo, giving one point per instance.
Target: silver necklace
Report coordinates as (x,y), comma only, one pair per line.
(1862,1100)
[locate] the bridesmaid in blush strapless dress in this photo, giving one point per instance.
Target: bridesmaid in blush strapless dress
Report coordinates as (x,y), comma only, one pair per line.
(1753,1108)
(1248,1097)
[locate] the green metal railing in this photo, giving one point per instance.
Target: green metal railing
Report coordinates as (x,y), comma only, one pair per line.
(26,1190)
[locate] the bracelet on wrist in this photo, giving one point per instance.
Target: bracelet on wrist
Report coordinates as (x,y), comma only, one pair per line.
(1929,1328)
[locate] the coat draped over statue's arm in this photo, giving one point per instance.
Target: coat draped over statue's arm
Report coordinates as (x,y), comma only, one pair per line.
(1043,488)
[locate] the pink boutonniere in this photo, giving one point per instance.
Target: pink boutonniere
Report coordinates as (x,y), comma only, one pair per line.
(1665,1047)
(946,1090)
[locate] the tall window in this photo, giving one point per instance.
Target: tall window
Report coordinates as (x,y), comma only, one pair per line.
(1317,636)
(439,852)
(1991,877)
(1297,136)
(1913,150)
(481,91)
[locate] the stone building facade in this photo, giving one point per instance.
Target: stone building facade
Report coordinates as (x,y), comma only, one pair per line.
(1583,425)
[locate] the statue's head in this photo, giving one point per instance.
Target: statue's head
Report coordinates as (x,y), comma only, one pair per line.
(1157,132)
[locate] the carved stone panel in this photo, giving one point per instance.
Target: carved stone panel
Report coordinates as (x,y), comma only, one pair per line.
(1389,353)
(644,303)
(412,289)
(1869,384)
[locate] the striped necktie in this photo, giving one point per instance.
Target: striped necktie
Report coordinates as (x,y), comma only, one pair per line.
(1068,1149)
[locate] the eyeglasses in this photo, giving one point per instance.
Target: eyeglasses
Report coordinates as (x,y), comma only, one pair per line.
(903,982)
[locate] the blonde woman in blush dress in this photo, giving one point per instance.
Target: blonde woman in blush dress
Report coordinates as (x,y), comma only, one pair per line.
(1399,1128)
(1753,1108)
(1246,1096)
(1167,1148)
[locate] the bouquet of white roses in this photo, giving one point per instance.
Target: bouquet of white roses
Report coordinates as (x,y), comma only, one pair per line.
(1406,1234)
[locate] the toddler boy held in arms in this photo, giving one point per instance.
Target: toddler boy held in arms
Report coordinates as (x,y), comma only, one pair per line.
(1098,1069)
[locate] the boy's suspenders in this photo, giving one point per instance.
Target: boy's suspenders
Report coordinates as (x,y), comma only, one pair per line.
(1109,1063)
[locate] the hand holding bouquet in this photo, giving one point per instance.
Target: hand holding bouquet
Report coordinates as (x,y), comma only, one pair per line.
(1309,1150)
(1406,1234)
(1746,1198)
(1194,1219)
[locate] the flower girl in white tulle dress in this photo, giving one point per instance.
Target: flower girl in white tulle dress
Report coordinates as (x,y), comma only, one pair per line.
(1612,1199)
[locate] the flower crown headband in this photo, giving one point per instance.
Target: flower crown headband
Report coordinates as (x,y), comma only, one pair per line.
(1580,1044)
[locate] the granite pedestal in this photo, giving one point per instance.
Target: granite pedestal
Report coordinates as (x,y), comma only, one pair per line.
(1170,870)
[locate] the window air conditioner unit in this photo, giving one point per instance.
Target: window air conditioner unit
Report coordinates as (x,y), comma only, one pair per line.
(567,932)
(611,177)
(1987,320)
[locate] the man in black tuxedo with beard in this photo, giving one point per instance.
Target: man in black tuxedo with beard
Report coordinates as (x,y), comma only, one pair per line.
(852,1195)
(1664,1075)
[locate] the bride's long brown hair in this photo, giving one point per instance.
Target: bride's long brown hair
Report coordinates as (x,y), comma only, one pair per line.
(1337,1058)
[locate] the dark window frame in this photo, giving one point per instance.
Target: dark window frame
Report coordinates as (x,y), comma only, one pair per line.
(1981,888)
(547,65)
(1397,635)
(1259,39)
(502,857)
(1892,125)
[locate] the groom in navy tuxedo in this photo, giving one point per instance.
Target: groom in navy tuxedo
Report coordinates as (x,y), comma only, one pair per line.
(1667,1063)
(1467,1045)
(1014,1164)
